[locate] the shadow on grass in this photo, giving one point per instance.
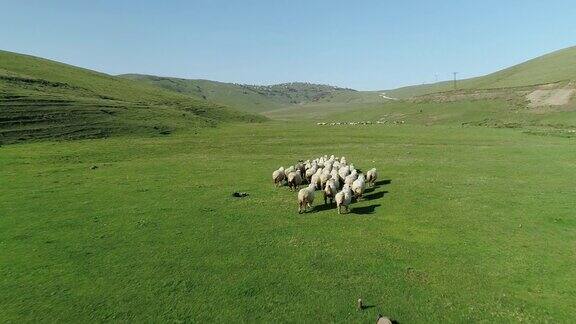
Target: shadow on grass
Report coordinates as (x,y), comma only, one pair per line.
(366,210)
(376,195)
(377,185)
(383,182)
(323,207)
(369,190)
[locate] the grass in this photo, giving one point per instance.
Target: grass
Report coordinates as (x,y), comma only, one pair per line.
(476,224)
(472,224)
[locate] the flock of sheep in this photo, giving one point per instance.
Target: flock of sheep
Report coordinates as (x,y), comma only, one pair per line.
(396,122)
(338,180)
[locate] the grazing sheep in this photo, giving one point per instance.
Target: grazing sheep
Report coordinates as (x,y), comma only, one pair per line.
(294,179)
(336,179)
(336,165)
(315,180)
(288,170)
(329,174)
(300,166)
(327,167)
(330,191)
(324,177)
(343,199)
(351,178)
(305,198)
(343,172)
(310,172)
(278,176)
(359,186)
(371,176)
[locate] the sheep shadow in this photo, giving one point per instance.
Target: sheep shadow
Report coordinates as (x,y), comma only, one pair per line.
(383,182)
(322,207)
(376,195)
(366,210)
(369,190)
(377,185)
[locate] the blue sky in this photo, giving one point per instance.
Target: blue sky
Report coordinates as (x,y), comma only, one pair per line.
(367,45)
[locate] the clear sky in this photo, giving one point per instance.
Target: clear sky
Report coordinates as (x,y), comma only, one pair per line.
(366,45)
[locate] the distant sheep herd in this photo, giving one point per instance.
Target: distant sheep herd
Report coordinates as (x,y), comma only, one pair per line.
(338,180)
(396,122)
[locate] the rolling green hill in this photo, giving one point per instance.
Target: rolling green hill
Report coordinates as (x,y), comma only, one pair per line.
(253,98)
(40,98)
(550,68)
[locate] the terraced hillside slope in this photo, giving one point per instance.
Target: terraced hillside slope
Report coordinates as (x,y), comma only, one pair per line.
(255,98)
(558,66)
(40,99)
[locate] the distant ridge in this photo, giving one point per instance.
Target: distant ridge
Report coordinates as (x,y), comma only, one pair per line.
(250,98)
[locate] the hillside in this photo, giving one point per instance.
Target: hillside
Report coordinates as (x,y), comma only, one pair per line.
(40,98)
(550,68)
(252,98)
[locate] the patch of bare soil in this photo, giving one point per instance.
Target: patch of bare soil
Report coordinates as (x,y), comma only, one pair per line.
(550,97)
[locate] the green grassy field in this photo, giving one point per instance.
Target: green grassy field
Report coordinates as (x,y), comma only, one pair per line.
(472,220)
(473,224)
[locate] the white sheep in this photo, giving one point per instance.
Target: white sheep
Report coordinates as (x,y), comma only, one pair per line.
(330,191)
(336,165)
(278,176)
(306,198)
(359,186)
(324,177)
(343,199)
(315,180)
(352,168)
(334,176)
(294,179)
(343,172)
(288,170)
(371,176)
(311,171)
(351,178)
